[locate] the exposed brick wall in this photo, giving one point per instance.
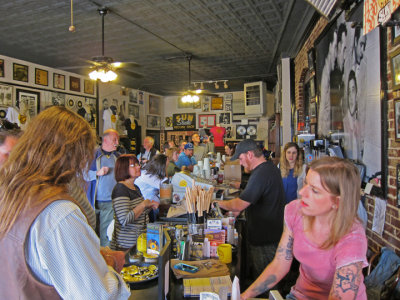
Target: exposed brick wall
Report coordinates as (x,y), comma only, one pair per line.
(391,231)
(301,66)
(391,234)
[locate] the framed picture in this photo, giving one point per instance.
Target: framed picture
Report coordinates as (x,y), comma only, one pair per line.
(41,77)
(397,118)
(313,109)
(395,63)
(224,118)
(228,96)
(228,105)
(74,84)
(6,95)
(217,103)
(1,67)
(398,184)
(168,123)
(206,120)
(59,81)
(153,121)
(27,102)
(20,72)
(311,59)
(133,110)
(312,87)
(154,105)
(197,105)
(205,104)
(230,132)
(396,34)
(133,96)
(88,86)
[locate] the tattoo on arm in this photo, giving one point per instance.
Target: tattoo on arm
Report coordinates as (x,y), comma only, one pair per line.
(265,285)
(289,249)
(347,280)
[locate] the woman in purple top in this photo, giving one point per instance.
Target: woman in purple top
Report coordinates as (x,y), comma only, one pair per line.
(323,233)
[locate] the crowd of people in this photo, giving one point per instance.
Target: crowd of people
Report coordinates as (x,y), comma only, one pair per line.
(53,225)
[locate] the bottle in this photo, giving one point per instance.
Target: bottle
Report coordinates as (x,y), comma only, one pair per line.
(206,248)
(231,228)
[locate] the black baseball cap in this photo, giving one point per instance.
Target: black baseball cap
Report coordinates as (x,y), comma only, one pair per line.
(243,147)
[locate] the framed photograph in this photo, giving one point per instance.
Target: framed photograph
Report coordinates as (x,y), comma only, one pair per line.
(28,103)
(6,95)
(224,118)
(20,72)
(1,67)
(397,118)
(395,63)
(133,96)
(206,120)
(59,81)
(154,105)
(74,84)
(205,104)
(228,96)
(41,77)
(197,105)
(313,110)
(311,59)
(228,105)
(312,87)
(217,103)
(88,86)
(395,34)
(153,121)
(168,122)
(230,132)
(134,110)
(398,184)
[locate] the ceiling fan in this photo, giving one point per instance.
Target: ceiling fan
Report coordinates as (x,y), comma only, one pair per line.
(104,67)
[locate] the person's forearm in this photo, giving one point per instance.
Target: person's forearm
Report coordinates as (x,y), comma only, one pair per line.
(139,209)
(229,205)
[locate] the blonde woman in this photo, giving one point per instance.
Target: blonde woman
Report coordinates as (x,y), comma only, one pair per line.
(293,171)
(322,231)
(45,239)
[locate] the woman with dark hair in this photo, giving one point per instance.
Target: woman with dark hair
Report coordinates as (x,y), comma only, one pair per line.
(172,154)
(229,150)
(151,177)
(130,209)
(49,251)
(293,171)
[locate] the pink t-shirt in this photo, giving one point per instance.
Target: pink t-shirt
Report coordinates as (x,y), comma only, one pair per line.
(317,266)
(218,133)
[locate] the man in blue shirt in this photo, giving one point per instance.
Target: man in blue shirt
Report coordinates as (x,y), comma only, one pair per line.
(186,158)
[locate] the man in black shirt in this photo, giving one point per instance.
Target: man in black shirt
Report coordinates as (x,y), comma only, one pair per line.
(264,200)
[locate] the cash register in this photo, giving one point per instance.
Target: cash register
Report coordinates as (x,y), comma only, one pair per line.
(185,179)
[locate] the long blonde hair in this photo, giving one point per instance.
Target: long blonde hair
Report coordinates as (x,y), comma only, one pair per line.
(284,164)
(341,178)
(57,146)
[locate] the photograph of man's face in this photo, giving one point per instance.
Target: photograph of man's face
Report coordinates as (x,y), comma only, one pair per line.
(105,103)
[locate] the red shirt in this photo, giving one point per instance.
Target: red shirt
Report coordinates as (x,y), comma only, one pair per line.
(218,133)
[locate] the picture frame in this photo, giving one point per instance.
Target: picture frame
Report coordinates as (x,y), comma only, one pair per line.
(59,81)
(30,100)
(395,67)
(228,96)
(224,118)
(228,105)
(206,120)
(153,121)
(312,87)
(2,68)
(20,72)
(313,110)
(41,77)
(311,59)
(74,84)
(398,184)
(133,110)
(197,104)
(154,105)
(397,119)
(217,103)
(6,95)
(205,104)
(88,86)
(395,34)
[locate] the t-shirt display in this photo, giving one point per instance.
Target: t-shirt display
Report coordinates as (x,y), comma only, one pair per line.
(218,133)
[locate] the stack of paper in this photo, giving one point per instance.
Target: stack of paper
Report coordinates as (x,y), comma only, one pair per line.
(194,286)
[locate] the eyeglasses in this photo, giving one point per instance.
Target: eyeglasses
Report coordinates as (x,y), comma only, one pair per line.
(134,165)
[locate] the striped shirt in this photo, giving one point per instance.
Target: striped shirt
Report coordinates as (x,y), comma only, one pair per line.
(63,251)
(126,228)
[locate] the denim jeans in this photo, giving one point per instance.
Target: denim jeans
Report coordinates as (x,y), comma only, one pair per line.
(106,214)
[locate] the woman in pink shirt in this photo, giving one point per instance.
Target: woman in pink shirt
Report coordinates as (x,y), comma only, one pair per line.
(323,233)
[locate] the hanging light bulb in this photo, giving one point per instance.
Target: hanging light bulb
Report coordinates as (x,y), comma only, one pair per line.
(225,84)
(104,74)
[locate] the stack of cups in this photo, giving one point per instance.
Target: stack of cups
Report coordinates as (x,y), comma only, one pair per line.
(206,168)
(200,167)
(224,158)
(218,157)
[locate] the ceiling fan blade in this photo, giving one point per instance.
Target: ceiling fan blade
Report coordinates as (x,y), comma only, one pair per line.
(125,64)
(74,67)
(130,73)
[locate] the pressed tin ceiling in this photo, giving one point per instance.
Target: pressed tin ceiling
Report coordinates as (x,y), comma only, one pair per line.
(235,40)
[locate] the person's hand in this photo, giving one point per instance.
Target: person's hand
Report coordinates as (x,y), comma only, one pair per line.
(103,171)
(154,204)
(146,203)
(115,259)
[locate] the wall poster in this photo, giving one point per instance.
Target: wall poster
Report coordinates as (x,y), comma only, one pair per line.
(184,121)
(348,82)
